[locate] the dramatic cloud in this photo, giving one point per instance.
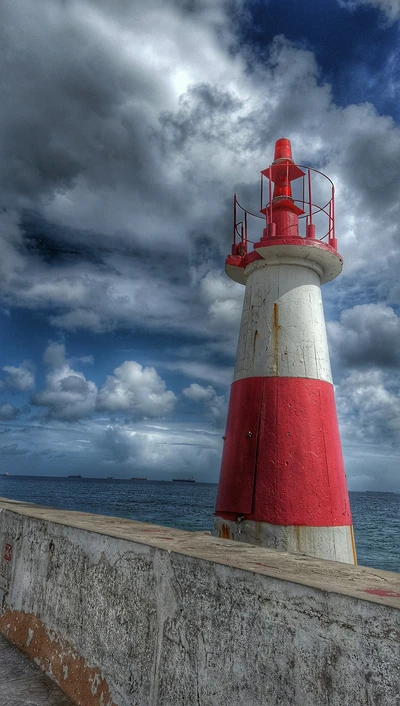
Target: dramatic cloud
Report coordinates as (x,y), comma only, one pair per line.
(20,379)
(136,390)
(214,403)
(154,143)
(369,405)
(390,8)
(162,452)
(126,127)
(367,334)
(224,299)
(8,412)
(95,448)
(68,395)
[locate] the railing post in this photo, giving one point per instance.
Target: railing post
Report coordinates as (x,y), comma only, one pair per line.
(333,241)
(234,219)
(270,197)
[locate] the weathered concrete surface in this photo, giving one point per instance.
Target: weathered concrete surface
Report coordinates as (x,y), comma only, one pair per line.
(153,616)
(23,684)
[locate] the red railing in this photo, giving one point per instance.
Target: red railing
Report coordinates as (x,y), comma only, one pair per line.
(313,217)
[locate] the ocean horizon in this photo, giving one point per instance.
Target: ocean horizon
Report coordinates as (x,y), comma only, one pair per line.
(190,506)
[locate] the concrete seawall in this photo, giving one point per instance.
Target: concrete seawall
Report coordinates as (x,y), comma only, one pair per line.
(122,613)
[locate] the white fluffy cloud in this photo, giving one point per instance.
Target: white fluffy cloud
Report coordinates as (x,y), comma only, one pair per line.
(21,378)
(214,403)
(135,390)
(69,396)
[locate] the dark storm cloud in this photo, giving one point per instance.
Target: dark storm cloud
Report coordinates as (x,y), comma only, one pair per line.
(199,116)
(126,127)
(371,166)
(366,335)
(12,450)
(64,104)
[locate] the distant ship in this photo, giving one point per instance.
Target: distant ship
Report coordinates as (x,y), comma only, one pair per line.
(184,480)
(110,477)
(381,492)
(74,476)
(7,475)
(138,478)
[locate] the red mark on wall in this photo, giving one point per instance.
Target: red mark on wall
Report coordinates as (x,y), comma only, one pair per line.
(381,592)
(8,552)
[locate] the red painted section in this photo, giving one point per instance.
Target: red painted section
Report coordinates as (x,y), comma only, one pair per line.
(240,449)
(381,592)
(286,221)
(283,149)
(243,261)
(290,471)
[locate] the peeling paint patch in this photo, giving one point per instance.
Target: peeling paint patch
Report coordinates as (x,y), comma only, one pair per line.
(85,685)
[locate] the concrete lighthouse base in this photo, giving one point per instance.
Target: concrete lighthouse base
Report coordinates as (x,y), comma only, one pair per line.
(333,543)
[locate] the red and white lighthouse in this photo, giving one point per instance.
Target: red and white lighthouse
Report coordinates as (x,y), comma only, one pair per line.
(282,481)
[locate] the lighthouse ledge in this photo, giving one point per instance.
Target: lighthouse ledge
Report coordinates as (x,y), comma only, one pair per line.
(121,613)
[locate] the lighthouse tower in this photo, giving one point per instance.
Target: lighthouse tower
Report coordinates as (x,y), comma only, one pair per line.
(282,481)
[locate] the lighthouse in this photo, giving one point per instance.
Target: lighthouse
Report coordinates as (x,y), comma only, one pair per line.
(282,483)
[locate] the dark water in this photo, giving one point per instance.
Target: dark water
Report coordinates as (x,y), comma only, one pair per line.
(190,506)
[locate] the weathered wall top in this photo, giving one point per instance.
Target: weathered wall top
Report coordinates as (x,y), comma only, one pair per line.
(121,613)
(360,582)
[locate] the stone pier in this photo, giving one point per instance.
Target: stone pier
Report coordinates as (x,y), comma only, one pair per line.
(121,613)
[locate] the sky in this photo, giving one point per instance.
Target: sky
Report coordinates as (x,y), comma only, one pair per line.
(125,130)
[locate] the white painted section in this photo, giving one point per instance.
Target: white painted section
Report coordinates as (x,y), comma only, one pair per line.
(332,543)
(283,330)
(235,273)
(329,261)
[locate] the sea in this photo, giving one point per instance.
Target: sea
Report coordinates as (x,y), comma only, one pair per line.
(190,506)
